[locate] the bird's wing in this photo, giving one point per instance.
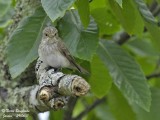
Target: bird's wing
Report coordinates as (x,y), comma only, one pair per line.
(64,51)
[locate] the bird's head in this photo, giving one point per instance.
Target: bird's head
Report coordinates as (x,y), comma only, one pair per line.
(50,33)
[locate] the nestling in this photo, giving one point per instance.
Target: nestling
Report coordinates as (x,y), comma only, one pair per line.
(53,52)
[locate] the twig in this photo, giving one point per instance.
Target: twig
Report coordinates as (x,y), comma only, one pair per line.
(154,75)
(157,11)
(153,6)
(88,109)
(124,37)
(69,111)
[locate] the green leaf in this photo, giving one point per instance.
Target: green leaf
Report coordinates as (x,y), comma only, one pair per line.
(103,112)
(147,64)
(83,10)
(100,80)
(79,107)
(105,20)
(119,2)
(157,82)
(150,22)
(56,8)
(4,6)
(154,30)
(56,115)
(126,73)
(128,16)
(81,42)
(91,116)
(119,105)
(4,24)
(97,4)
(141,46)
(145,12)
(23,43)
(155,107)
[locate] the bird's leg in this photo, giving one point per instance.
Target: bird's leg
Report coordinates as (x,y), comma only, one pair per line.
(48,68)
(57,69)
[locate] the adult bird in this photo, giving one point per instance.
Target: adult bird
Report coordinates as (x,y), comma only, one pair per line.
(53,52)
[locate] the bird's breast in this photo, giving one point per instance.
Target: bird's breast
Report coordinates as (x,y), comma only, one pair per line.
(57,60)
(52,56)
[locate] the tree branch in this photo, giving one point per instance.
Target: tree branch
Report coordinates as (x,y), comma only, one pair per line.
(153,6)
(154,75)
(88,109)
(52,92)
(71,104)
(124,37)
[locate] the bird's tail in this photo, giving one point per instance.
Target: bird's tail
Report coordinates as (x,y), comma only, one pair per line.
(80,69)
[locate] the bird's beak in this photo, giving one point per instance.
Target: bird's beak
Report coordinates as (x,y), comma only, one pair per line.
(52,36)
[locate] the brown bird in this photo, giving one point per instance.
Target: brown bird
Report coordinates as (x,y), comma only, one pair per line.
(53,52)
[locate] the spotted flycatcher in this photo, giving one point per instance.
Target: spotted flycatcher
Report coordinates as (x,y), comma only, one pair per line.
(53,52)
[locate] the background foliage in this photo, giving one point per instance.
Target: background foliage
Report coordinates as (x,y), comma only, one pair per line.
(116,40)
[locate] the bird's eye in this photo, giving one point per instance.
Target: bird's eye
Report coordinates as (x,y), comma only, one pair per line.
(46,34)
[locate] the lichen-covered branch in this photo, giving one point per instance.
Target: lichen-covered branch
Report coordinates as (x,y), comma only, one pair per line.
(56,84)
(52,92)
(25,101)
